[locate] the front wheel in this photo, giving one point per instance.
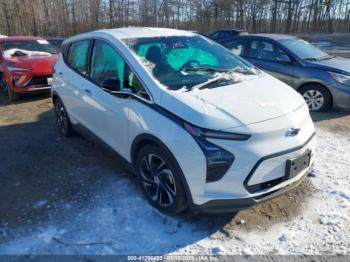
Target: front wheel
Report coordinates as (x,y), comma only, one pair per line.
(12,96)
(316,97)
(160,180)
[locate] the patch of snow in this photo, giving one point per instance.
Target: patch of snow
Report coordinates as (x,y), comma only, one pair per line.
(334,218)
(247,252)
(8,53)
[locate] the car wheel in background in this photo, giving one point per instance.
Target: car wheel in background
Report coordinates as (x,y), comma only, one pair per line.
(317,97)
(160,180)
(12,96)
(63,122)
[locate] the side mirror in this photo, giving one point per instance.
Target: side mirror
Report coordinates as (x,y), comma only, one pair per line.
(111,84)
(283,59)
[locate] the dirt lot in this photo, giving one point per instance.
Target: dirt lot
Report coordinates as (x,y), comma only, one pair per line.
(61,195)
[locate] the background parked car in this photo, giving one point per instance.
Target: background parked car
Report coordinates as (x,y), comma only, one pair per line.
(222,35)
(323,80)
(26,65)
(56,42)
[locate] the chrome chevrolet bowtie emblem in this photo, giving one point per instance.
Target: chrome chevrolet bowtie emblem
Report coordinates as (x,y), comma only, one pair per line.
(293,131)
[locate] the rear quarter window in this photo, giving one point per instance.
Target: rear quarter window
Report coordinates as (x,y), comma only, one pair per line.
(238,47)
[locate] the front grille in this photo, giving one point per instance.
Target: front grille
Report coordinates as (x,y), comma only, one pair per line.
(39,80)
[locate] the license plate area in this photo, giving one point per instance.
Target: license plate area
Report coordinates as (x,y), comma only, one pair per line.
(296,165)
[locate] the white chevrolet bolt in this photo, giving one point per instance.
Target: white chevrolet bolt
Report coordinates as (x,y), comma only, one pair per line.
(202,128)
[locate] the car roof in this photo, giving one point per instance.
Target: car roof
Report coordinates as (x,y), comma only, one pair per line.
(275,36)
(131,32)
(269,36)
(19,38)
(142,32)
(231,29)
(55,38)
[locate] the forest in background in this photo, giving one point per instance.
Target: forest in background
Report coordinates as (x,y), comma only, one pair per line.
(69,17)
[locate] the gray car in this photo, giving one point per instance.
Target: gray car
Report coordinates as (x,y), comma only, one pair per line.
(323,80)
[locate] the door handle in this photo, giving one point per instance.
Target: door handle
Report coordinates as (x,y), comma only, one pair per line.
(60,73)
(88,92)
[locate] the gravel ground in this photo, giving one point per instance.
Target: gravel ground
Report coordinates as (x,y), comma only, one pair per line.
(69,196)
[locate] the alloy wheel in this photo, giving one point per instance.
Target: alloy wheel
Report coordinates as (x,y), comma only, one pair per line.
(158,180)
(61,117)
(314,99)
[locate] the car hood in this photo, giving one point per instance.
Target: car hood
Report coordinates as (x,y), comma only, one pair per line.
(251,101)
(37,63)
(339,63)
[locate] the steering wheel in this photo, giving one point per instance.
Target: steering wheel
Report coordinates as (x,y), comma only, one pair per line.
(190,64)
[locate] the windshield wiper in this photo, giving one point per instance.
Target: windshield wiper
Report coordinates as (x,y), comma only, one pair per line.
(218,70)
(315,59)
(326,57)
(218,79)
(242,71)
(224,77)
(312,59)
(204,68)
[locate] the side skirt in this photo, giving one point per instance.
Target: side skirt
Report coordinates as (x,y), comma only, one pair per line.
(79,128)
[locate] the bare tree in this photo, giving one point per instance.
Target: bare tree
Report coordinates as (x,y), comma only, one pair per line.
(67,17)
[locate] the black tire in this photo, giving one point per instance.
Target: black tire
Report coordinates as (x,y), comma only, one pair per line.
(63,122)
(317,97)
(162,186)
(12,96)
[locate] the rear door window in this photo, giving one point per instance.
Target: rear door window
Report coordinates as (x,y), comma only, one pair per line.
(215,35)
(264,50)
(77,56)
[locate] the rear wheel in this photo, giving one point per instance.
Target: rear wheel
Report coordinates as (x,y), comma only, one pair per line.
(63,122)
(12,96)
(316,97)
(160,180)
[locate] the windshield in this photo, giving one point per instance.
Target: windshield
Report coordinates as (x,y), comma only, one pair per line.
(304,49)
(30,45)
(186,61)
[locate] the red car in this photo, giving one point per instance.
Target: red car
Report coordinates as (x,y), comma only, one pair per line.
(26,65)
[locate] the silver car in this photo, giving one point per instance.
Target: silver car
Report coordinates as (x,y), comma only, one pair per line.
(323,80)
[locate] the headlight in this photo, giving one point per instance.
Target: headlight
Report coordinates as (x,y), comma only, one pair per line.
(196,131)
(218,159)
(343,79)
(17,69)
